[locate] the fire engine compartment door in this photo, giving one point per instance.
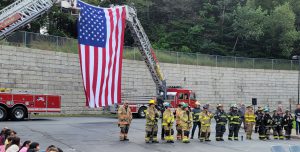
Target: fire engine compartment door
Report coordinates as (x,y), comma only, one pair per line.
(5,98)
(24,99)
(53,103)
(40,103)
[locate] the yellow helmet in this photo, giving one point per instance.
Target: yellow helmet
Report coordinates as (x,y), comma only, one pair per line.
(151,101)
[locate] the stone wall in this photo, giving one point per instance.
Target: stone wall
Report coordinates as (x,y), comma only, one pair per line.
(48,72)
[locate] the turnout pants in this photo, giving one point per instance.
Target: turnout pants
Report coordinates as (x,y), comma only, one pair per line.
(151,133)
(179,132)
(205,133)
(186,134)
(195,125)
(264,132)
(249,129)
(234,131)
(220,129)
(288,131)
(277,132)
(169,132)
(124,131)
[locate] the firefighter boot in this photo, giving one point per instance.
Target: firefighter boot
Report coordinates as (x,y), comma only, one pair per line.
(207,137)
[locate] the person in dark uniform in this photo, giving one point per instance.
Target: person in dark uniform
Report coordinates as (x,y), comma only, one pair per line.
(196,123)
(221,120)
(234,123)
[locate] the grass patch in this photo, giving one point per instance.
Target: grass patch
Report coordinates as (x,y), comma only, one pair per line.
(68,45)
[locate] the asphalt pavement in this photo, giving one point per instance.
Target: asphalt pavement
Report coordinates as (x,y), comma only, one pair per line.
(95,134)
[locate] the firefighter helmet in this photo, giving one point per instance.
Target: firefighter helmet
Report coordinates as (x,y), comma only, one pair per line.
(219,105)
(151,101)
(185,105)
(266,109)
(249,107)
(166,104)
(205,106)
(197,103)
(233,106)
(287,110)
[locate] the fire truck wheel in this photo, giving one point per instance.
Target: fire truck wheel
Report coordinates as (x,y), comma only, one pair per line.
(3,113)
(141,112)
(18,113)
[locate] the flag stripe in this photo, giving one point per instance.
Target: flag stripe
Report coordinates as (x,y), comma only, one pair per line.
(81,57)
(103,75)
(95,78)
(121,53)
(87,71)
(115,56)
(110,55)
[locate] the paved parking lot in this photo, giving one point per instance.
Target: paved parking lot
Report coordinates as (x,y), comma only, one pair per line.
(94,134)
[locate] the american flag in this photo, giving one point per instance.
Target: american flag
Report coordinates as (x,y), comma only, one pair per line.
(101,37)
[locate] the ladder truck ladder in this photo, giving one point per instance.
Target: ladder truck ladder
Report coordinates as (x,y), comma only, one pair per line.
(20,13)
(145,48)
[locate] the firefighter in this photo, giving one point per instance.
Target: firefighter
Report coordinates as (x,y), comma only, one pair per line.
(221,120)
(288,124)
(234,123)
(196,123)
(277,125)
(186,120)
(125,118)
(265,124)
(152,116)
(268,123)
(258,114)
(168,120)
(178,127)
(249,121)
(205,119)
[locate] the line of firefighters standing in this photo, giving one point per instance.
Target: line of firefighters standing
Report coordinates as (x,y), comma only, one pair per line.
(186,119)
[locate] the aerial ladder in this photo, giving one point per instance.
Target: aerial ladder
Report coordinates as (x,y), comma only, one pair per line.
(22,12)
(147,52)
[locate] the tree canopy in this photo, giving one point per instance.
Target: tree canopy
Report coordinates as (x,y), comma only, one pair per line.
(253,28)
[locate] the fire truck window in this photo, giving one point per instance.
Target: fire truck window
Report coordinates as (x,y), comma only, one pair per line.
(181,96)
(170,97)
(186,96)
(193,96)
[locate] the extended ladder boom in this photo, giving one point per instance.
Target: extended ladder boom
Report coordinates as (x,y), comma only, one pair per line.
(144,45)
(20,13)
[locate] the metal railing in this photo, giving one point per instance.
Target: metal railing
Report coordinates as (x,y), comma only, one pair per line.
(68,45)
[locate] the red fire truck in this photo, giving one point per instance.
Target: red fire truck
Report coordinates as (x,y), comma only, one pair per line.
(17,106)
(174,95)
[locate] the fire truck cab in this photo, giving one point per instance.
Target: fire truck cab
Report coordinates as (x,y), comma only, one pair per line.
(176,95)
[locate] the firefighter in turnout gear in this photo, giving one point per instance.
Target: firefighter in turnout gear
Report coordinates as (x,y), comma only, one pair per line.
(288,124)
(196,123)
(205,119)
(249,121)
(168,121)
(277,120)
(265,124)
(186,120)
(125,118)
(178,127)
(234,117)
(258,114)
(152,116)
(221,121)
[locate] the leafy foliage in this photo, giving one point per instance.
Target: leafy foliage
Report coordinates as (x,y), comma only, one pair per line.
(254,28)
